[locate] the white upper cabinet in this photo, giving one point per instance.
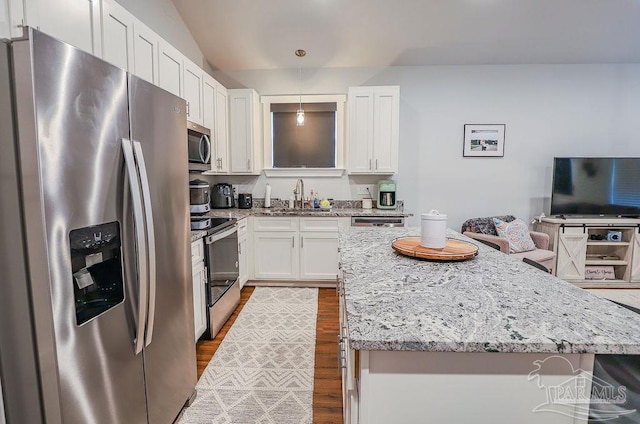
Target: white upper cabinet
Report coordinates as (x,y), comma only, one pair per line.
(170,69)
(117,35)
(192,92)
(145,52)
(12,18)
(374,117)
(215,118)
(222,128)
(245,131)
(76,22)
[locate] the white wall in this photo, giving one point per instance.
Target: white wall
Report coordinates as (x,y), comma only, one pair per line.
(163,18)
(549,110)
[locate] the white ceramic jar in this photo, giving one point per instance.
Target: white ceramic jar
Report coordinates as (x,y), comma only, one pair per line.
(434,230)
(367,203)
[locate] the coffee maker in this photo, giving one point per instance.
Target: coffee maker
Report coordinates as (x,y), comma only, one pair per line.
(386,194)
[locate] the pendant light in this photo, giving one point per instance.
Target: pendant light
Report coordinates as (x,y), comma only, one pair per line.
(300,113)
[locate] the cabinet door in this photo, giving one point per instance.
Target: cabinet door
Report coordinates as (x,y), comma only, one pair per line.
(170,68)
(209,116)
(243,265)
(12,19)
(193,91)
(76,22)
(199,273)
(214,112)
(276,255)
(386,118)
(635,262)
(145,52)
(222,128)
(240,131)
(117,35)
(572,252)
(318,256)
(360,140)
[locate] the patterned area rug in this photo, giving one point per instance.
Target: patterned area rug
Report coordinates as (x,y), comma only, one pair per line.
(263,370)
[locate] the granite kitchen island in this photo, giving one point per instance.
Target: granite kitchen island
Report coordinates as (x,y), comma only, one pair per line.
(490,339)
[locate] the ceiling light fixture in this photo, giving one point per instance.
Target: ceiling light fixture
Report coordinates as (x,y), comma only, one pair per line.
(300,114)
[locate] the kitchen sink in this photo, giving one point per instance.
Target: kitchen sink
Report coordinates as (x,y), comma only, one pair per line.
(298,210)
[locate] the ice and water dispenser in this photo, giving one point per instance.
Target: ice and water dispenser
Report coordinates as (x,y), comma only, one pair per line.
(96,262)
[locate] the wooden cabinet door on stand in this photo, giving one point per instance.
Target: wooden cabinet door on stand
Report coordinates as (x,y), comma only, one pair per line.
(635,262)
(572,250)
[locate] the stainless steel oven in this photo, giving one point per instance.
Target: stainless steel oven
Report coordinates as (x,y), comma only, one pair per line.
(223,287)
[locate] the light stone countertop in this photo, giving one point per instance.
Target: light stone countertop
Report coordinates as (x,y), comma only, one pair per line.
(491,303)
(333,212)
(197,234)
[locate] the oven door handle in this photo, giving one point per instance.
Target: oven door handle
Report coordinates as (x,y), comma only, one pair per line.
(219,236)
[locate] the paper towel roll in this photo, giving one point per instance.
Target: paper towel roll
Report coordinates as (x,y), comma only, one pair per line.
(267,196)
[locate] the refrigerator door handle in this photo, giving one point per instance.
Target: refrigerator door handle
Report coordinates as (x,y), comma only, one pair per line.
(141,248)
(151,239)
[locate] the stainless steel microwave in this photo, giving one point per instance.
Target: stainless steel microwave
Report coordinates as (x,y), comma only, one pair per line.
(199,139)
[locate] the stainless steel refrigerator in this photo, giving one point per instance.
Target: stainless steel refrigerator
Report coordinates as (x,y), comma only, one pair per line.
(96,313)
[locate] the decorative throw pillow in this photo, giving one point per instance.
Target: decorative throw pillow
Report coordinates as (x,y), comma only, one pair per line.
(517,233)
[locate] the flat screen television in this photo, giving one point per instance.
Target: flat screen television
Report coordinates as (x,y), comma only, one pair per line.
(608,187)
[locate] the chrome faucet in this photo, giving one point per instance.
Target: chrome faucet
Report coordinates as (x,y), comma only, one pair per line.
(299,191)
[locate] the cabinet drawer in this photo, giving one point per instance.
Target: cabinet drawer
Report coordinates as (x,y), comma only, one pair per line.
(275,224)
(242,227)
(319,224)
(197,251)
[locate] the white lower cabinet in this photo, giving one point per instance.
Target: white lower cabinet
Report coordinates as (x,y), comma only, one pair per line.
(199,276)
(347,364)
(243,252)
(318,256)
(276,255)
(295,248)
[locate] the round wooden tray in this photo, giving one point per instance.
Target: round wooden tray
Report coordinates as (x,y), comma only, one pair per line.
(455,250)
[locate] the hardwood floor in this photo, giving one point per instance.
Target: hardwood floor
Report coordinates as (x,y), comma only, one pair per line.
(327,386)
(327,383)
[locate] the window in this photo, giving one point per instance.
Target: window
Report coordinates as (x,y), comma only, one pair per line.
(316,147)
(312,145)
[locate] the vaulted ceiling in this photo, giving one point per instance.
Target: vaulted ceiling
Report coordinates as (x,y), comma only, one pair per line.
(263,34)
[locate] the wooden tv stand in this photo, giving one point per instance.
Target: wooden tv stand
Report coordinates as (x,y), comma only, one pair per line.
(580,243)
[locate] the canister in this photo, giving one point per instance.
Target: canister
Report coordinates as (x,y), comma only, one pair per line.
(434,230)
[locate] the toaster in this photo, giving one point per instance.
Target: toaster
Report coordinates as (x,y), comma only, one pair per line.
(245,201)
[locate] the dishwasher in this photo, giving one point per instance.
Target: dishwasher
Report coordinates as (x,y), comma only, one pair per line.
(377,221)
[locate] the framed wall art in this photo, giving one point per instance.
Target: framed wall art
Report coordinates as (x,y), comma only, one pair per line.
(483,140)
